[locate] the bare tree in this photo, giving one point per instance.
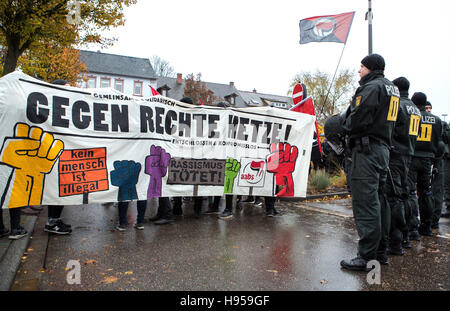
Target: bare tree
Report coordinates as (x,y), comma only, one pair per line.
(162,67)
(328,101)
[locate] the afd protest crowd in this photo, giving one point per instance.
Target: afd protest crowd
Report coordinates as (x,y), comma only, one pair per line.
(64,146)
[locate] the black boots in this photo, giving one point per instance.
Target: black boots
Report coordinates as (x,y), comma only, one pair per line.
(357,264)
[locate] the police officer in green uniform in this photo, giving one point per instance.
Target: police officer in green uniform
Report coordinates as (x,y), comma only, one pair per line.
(403,143)
(446,211)
(370,122)
(419,176)
(437,181)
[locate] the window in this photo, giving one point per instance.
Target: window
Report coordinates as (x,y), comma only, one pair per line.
(118,85)
(91,83)
(137,90)
(105,82)
(278,105)
(164,92)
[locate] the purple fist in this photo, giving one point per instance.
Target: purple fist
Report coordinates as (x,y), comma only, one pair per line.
(156,166)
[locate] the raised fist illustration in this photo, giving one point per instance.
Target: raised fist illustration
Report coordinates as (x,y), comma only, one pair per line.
(232,168)
(125,176)
(32,153)
(281,162)
(156,166)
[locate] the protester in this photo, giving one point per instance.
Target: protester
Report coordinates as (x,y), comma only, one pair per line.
(257,201)
(54,223)
(270,207)
(3,230)
(370,121)
(17,231)
(123,209)
(164,215)
(178,201)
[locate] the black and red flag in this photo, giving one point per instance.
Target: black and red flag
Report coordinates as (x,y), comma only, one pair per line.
(328,28)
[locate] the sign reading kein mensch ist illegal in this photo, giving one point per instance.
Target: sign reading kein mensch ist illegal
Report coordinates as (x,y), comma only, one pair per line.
(82,171)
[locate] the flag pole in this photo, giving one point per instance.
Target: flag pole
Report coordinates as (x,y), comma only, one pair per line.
(332,80)
(369,19)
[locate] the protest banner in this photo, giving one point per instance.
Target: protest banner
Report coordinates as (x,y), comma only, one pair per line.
(66,145)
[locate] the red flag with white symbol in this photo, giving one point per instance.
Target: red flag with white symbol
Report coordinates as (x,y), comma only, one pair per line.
(328,28)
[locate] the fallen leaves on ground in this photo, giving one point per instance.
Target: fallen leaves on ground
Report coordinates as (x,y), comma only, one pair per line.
(90,262)
(109,280)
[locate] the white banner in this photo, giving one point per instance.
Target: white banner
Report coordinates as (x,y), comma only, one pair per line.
(66,145)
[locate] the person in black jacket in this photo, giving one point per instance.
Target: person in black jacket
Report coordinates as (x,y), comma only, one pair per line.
(370,122)
(446,211)
(437,181)
(419,176)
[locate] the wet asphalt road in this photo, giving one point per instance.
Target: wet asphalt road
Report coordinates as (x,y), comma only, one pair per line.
(299,250)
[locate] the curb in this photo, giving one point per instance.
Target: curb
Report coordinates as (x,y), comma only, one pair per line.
(10,262)
(316,196)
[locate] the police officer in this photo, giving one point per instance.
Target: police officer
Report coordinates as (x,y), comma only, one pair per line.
(446,211)
(437,181)
(370,121)
(402,150)
(419,176)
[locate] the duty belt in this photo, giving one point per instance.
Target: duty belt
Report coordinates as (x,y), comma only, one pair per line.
(363,143)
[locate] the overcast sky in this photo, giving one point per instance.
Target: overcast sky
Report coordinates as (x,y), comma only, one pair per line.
(255,43)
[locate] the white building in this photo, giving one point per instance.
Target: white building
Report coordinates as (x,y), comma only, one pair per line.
(129,75)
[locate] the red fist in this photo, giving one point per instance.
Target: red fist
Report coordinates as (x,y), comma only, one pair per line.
(281,162)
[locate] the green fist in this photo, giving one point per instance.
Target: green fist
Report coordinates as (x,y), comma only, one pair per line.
(232,168)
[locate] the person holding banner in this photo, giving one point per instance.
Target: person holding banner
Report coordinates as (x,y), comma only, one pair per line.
(54,223)
(123,209)
(178,201)
(370,122)
(3,230)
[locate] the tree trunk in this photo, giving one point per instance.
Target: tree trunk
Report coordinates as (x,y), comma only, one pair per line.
(12,55)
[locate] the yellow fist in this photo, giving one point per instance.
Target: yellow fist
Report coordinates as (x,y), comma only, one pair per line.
(32,153)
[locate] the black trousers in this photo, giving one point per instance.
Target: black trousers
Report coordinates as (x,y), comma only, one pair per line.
(397,192)
(228,202)
(165,208)
(447,181)
(2,225)
(54,211)
(270,203)
(14,216)
(370,208)
(437,187)
(419,182)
